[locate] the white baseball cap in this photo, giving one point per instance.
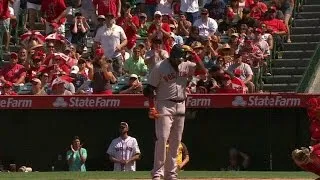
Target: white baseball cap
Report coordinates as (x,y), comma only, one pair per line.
(134,76)
(158,13)
(74,70)
(36,80)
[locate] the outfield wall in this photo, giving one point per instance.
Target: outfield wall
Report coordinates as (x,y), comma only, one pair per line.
(36,137)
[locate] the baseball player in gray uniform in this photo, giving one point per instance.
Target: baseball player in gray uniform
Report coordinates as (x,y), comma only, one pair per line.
(167,84)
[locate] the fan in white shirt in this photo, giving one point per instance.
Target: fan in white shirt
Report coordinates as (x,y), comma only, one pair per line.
(124,150)
(207,26)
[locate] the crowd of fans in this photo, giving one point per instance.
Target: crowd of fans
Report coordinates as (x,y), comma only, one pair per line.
(233,38)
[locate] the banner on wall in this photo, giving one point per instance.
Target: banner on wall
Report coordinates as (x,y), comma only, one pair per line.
(139,102)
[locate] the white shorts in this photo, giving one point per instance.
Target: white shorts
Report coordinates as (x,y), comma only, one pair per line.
(61,29)
(33,6)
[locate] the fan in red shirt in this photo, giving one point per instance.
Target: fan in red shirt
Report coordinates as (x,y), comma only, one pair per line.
(54,12)
(308,159)
(13,72)
(160,30)
(4,10)
(258,9)
(229,85)
(108,6)
(275,25)
(6,89)
(130,25)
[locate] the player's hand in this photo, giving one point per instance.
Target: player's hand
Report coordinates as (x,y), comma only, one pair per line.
(153,113)
(123,162)
(71,147)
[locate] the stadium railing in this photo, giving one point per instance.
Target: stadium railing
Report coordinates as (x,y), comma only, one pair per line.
(310,73)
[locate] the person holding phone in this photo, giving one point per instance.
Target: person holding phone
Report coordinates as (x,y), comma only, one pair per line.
(77,156)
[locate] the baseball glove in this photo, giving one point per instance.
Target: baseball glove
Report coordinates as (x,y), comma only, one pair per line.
(301,156)
(153,113)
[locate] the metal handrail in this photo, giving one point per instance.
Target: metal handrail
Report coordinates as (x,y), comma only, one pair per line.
(310,73)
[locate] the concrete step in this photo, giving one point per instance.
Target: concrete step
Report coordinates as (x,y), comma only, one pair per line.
(297,54)
(306,22)
(280,87)
(300,46)
(311,8)
(309,15)
(280,79)
(302,62)
(312,2)
(288,70)
(305,37)
(305,30)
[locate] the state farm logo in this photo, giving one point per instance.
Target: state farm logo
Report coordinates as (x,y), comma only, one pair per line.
(198,102)
(15,103)
(238,101)
(265,101)
(81,102)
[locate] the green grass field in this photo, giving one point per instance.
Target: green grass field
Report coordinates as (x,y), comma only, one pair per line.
(146,175)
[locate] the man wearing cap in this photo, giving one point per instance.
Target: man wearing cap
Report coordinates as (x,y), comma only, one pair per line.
(100,22)
(143,26)
(167,84)
(124,151)
(159,30)
(37,88)
(13,72)
(58,88)
(277,26)
(134,86)
(53,13)
(247,19)
(207,26)
(112,39)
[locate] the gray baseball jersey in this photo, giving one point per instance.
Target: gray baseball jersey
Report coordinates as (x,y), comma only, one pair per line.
(169,83)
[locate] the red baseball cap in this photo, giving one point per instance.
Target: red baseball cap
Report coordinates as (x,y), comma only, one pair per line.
(14,55)
(99,52)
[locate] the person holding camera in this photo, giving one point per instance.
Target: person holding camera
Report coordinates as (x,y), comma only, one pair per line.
(134,86)
(79,30)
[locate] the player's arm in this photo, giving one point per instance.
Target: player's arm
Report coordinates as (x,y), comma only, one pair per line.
(113,159)
(134,158)
(185,155)
(245,162)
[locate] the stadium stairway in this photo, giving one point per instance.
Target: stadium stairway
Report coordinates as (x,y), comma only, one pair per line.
(288,71)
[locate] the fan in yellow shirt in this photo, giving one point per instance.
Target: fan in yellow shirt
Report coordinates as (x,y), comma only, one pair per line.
(183,155)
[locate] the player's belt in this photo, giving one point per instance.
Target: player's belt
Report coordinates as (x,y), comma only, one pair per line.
(176,101)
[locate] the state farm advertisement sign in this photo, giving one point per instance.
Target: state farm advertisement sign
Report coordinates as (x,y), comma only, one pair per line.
(86,102)
(15,103)
(267,101)
(140,102)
